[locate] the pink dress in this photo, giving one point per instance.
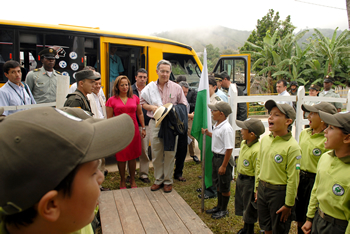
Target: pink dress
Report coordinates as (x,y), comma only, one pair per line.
(133,150)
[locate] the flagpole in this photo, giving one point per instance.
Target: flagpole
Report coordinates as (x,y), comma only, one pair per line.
(203,172)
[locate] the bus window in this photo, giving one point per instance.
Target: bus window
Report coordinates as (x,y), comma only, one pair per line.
(237,66)
(6,50)
(184,65)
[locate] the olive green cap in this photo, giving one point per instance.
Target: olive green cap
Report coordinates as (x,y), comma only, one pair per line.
(43,145)
(322,106)
(284,108)
(223,107)
(253,125)
(340,120)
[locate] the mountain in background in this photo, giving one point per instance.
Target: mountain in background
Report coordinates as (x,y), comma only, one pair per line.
(326,32)
(222,37)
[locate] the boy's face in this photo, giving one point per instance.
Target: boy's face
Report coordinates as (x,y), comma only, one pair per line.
(245,134)
(78,210)
(315,120)
(217,115)
(278,121)
(335,138)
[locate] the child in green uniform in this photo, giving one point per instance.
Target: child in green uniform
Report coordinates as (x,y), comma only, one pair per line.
(50,181)
(222,145)
(331,191)
(277,171)
(311,142)
(244,197)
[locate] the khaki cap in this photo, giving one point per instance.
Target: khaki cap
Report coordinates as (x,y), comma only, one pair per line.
(43,145)
(322,106)
(253,125)
(284,108)
(87,74)
(223,107)
(340,120)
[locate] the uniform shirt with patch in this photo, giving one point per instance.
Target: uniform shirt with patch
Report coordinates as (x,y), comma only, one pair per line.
(331,190)
(222,138)
(279,163)
(312,147)
(247,157)
(43,86)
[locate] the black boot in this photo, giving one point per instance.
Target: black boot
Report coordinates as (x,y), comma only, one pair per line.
(216,208)
(223,212)
(250,229)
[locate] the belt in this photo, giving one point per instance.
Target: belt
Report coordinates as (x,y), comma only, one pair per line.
(273,186)
(218,155)
(332,220)
(242,177)
(307,174)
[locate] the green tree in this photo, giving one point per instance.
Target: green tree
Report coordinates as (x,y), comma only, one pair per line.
(270,22)
(213,55)
(334,51)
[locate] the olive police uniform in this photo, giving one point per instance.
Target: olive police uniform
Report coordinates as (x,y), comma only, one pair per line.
(331,93)
(312,147)
(42,85)
(244,197)
(78,99)
(277,178)
(331,193)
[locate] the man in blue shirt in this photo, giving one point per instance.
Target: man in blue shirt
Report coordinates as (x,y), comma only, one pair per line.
(115,67)
(14,92)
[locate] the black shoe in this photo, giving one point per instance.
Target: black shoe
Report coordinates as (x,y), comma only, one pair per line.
(145,180)
(242,231)
(220,214)
(195,158)
(212,211)
(205,196)
(199,190)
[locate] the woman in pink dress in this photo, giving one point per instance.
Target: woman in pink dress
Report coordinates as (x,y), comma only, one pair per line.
(124,101)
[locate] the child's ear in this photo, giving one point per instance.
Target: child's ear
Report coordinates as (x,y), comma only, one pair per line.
(48,206)
(347,139)
(289,122)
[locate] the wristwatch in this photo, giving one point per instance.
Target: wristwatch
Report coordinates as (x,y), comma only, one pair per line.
(144,128)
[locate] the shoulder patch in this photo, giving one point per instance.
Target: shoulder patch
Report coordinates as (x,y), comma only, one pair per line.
(36,69)
(217,98)
(58,72)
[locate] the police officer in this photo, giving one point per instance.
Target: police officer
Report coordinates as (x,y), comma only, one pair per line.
(329,92)
(85,84)
(42,81)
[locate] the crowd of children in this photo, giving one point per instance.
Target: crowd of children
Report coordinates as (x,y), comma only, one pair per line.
(279,180)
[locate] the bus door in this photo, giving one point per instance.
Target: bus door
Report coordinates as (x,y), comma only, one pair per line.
(238,67)
(124,60)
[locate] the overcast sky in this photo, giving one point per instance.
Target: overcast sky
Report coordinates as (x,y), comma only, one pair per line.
(147,17)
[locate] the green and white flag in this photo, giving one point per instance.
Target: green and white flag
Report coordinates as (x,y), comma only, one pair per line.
(202,119)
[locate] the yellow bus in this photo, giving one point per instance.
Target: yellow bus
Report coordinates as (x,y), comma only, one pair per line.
(84,46)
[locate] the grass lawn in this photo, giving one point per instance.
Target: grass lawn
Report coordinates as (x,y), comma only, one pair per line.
(187,191)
